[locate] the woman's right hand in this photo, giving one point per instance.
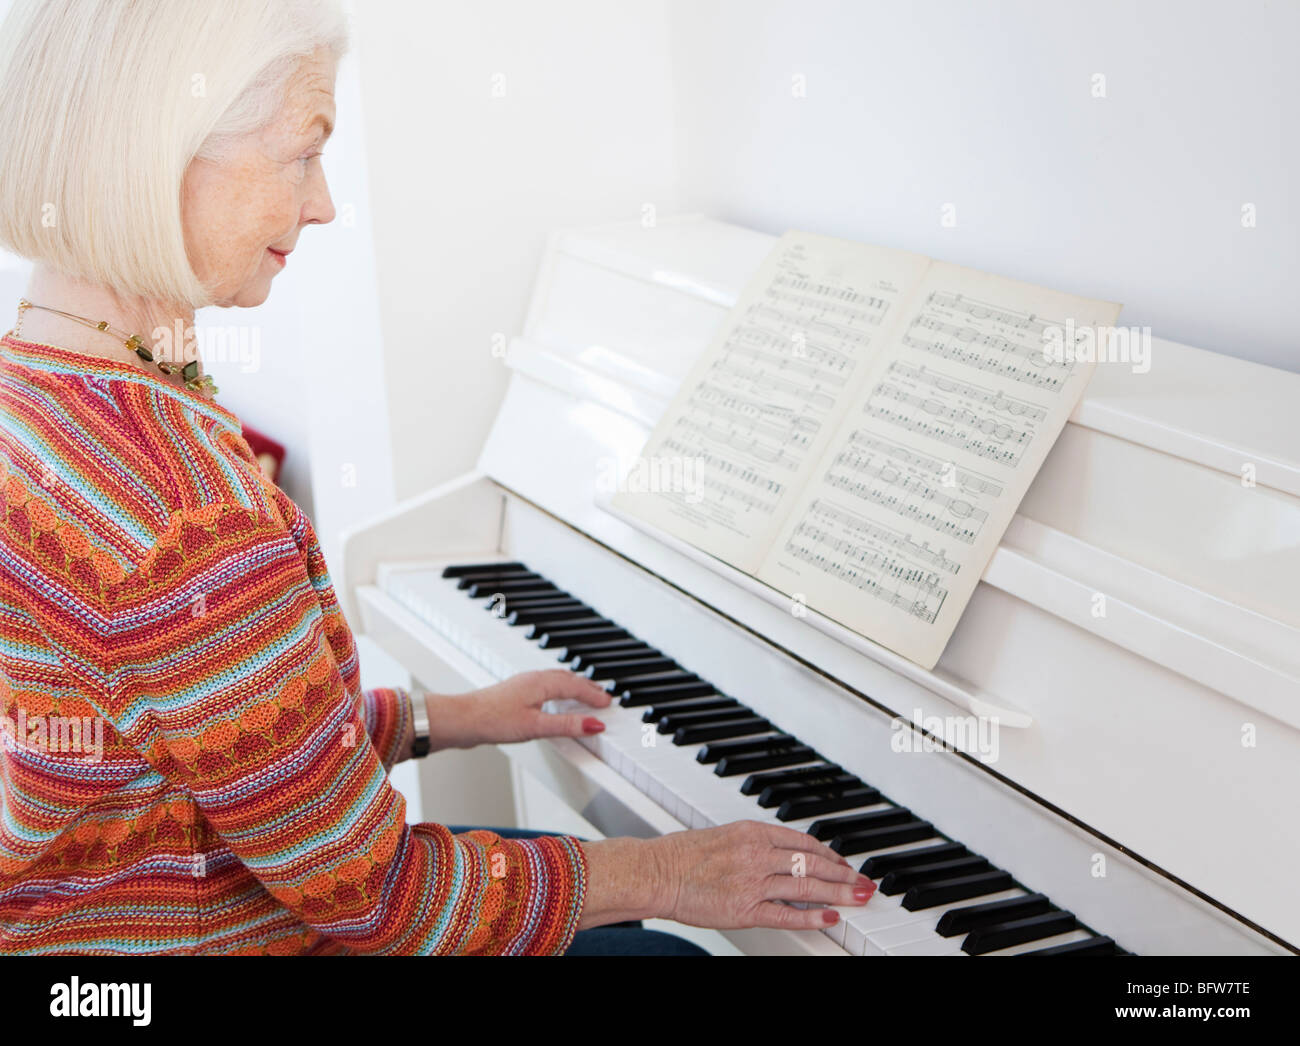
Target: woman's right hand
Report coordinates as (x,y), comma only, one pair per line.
(734,876)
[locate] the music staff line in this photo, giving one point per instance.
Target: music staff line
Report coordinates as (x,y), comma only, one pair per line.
(919,608)
(869,529)
(971,481)
(982,310)
(994,399)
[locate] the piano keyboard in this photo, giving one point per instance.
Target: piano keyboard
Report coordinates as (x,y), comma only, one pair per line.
(708,760)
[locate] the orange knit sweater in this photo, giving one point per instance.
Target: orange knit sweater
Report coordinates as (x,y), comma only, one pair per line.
(189,763)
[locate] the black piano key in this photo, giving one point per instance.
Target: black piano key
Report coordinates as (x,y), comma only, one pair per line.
(505,586)
(731,766)
(616,668)
(946,891)
(903,879)
(773,743)
(516,616)
(674,719)
(546,599)
(1092,946)
(461,569)
(565,636)
(881,838)
(882,864)
(963,920)
(576,653)
(826,803)
(695,704)
(719,731)
(482,590)
(824,784)
(488,576)
(1018,931)
(664,678)
(758,782)
(830,827)
(576,623)
(640,696)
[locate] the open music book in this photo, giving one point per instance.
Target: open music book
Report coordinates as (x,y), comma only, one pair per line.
(859,433)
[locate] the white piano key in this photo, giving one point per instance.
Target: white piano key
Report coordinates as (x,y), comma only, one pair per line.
(932,945)
(924,927)
(855,941)
(837,931)
(1046,942)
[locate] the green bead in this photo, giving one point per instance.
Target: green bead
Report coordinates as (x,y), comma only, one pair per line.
(190,371)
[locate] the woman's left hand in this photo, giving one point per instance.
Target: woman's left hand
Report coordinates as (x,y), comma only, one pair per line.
(511,711)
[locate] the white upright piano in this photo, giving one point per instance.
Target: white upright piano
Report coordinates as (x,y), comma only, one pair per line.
(1142,794)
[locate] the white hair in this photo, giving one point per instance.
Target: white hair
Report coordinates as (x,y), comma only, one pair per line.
(104,103)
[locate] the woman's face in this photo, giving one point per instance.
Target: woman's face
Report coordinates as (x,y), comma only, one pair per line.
(242,215)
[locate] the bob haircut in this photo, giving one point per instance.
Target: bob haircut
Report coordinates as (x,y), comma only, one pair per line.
(104,103)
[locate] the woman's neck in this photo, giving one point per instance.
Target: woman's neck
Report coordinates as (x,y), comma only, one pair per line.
(97,303)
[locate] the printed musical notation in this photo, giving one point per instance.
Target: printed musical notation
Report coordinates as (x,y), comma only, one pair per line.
(987,338)
(865,424)
(932,457)
(858,552)
(755,412)
(882,474)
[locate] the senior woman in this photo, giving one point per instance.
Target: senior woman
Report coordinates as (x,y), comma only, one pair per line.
(160,598)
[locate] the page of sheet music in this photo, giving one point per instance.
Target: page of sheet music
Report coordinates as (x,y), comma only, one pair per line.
(901,515)
(759,407)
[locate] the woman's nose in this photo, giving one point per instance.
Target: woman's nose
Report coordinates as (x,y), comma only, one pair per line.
(319,208)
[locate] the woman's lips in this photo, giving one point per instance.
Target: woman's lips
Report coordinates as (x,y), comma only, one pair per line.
(280,256)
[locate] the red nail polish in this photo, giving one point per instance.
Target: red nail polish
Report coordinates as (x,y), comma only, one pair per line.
(861,893)
(829,917)
(592,725)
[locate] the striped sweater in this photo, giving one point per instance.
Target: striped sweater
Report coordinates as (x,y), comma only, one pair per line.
(189,763)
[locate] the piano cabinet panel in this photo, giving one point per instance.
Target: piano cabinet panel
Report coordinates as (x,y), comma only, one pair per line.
(1183,520)
(1188,778)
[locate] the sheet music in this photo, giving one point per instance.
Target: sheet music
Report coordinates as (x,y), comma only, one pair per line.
(902,513)
(759,407)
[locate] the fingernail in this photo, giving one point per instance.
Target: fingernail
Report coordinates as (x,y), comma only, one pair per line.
(861,893)
(592,725)
(830,917)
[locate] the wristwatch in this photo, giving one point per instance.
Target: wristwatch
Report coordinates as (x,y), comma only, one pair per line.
(420,717)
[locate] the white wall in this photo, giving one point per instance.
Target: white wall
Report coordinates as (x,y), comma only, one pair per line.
(489,125)
(1134,198)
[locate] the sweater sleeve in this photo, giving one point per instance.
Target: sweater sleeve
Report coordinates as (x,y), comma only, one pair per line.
(390,722)
(216,667)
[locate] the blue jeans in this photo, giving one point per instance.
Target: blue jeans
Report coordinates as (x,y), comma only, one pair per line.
(629,938)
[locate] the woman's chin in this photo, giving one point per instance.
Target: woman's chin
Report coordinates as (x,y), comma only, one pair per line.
(253,293)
